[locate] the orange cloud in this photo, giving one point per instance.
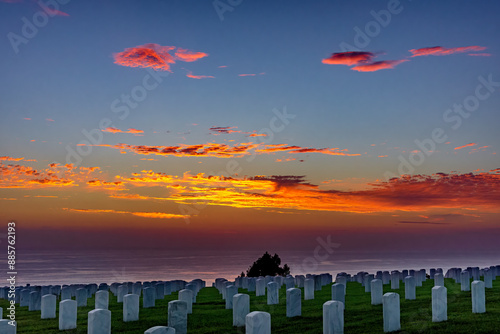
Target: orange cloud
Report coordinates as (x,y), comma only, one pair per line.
(7,158)
(115,130)
(160,215)
(247,75)
(257,135)
(189,56)
(297,149)
(349,58)
(191,75)
(464,146)
(480,54)
(27,118)
(378,65)
(441,51)
(155,56)
(149,55)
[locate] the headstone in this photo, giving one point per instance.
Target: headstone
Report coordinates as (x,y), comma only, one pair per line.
(338,292)
(439,302)
(260,287)
(65,293)
(488,278)
(464,281)
(333,317)
(160,330)
(395,280)
(121,291)
(187,296)
(160,290)
(317,283)
(272,293)
(391,312)
(67,314)
(148,297)
(308,289)
(241,307)
(168,289)
(377,291)
(137,288)
(99,321)
(48,307)
(25,297)
(438,279)
(6,327)
(102,299)
(410,288)
(342,280)
(258,323)
(366,282)
(230,292)
(294,302)
(81,297)
(177,316)
(478,297)
(35,301)
(130,307)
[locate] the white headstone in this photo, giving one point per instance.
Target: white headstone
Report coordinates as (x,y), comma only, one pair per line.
(148,297)
(395,280)
(230,292)
(25,297)
(67,314)
(438,279)
(99,321)
(410,288)
(391,312)
(130,307)
(272,293)
(35,301)
(121,291)
(187,296)
(293,302)
(439,303)
(488,278)
(338,292)
(333,317)
(81,297)
(102,299)
(258,323)
(377,291)
(48,307)
(465,281)
(7,328)
(308,289)
(260,287)
(241,307)
(160,330)
(478,297)
(160,290)
(177,316)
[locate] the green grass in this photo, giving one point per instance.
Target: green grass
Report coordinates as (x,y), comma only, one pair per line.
(209,315)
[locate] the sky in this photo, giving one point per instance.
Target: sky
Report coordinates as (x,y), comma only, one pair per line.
(255,124)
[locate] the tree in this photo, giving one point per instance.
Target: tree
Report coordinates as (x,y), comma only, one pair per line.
(268,265)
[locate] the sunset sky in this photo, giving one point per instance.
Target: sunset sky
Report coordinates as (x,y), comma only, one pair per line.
(189,124)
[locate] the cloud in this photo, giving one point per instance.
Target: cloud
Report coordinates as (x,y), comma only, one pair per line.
(349,58)
(257,135)
(49,120)
(7,158)
(441,51)
(378,65)
(160,215)
(51,11)
(293,149)
(418,222)
(480,54)
(224,129)
(251,74)
(191,75)
(155,56)
(130,130)
(189,56)
(464,146)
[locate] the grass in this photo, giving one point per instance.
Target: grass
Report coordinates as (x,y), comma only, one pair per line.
(210,316)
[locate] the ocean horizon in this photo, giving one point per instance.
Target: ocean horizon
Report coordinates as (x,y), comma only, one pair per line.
(55,267)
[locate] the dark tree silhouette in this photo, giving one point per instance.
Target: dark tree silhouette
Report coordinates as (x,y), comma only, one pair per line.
(268,265)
